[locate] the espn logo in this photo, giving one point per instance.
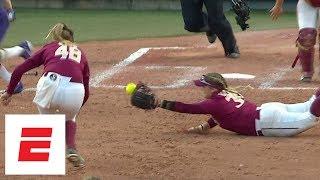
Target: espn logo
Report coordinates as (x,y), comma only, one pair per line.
(25,153)
(35,145)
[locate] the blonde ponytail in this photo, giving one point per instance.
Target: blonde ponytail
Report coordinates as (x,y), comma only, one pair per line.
(60,32)
(219,82)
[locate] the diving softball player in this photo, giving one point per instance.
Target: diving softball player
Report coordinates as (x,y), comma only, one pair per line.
(232,112)
(64,85)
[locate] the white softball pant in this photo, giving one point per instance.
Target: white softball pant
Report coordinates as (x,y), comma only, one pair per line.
(278,119)
(307,15)
(57,95)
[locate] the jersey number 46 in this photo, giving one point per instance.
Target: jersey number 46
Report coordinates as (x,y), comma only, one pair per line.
(69,52)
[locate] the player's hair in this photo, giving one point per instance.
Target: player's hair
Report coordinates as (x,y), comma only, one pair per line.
(216,80)
(219,82)
(60,32)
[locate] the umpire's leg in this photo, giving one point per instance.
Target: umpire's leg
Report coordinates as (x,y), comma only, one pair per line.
(219,24)
(194,19)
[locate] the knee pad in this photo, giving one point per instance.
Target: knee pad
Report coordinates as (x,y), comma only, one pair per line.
(307,38)
(305,43)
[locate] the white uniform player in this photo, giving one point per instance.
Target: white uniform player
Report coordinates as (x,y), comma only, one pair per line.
(23,50)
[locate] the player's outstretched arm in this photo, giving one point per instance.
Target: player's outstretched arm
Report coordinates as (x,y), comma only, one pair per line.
(276,10)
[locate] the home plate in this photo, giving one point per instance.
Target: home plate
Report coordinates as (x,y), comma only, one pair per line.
(238,76)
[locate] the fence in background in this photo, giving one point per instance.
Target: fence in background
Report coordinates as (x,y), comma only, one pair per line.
(290,5)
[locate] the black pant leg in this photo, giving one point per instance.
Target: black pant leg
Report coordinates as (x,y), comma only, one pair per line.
(194,18)
(219,24)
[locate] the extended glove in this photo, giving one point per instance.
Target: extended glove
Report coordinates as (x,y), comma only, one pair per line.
(11,15)
(143,98)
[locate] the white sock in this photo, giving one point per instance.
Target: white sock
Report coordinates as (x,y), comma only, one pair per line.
(4,73)
(10,52)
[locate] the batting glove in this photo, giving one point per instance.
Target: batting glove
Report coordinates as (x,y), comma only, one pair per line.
(11,15)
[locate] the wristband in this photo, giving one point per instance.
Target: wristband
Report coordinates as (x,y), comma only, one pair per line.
(169,105)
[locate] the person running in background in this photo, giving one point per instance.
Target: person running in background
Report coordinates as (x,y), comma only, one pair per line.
(23,50)
(214,23)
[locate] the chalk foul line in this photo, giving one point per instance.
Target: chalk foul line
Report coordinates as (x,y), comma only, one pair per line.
(96,80)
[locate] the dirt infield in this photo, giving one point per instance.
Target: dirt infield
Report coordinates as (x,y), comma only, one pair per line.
(122,142)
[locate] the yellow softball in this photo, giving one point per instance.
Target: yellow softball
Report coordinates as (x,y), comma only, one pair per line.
(130,88)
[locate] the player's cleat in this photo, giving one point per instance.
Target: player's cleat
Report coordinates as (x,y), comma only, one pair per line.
(91,178)
(211,37)
(201,129)
(74,157)
(27,46)
(305,79)
(235,53)
(19,88)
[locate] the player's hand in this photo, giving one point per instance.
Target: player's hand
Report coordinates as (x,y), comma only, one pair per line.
(276,12)
(5,99)
(201,129)
(11,15)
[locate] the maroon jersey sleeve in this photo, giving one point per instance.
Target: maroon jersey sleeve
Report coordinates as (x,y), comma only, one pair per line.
(195,108)
(86,76)
(314,3)
(34,61)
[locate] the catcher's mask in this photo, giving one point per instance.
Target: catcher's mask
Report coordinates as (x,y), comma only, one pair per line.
(214,80)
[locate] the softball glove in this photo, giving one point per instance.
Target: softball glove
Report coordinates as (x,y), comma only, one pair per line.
(143,98)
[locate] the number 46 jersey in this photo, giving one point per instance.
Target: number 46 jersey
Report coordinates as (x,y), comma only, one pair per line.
(64,58)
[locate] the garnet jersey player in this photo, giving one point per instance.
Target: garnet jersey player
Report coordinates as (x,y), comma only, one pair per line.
(64,86)
(232,112)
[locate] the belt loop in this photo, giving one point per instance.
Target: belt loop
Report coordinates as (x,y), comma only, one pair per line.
(258,114)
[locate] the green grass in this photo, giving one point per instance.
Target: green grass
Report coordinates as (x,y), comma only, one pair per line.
(100,25)
(261,20)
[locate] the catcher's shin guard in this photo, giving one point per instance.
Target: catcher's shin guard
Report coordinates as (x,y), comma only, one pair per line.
(305,43)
